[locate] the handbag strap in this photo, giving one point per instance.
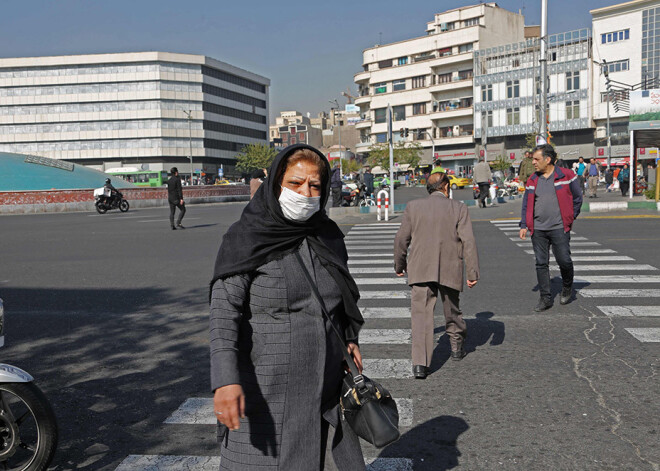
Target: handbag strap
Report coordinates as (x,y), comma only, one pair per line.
(357,377)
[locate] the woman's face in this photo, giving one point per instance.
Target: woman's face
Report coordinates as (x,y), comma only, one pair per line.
(304,178)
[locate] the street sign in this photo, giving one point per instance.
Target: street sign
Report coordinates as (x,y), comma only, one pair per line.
(221,172)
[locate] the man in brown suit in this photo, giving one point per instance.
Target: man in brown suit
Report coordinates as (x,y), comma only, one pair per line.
(439,233)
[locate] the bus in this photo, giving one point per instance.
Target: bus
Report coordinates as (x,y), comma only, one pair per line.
(150,178)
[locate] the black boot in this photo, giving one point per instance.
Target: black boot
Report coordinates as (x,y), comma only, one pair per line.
(420,371)
(566,295)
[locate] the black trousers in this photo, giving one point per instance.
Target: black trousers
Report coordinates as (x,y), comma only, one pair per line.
(561,248)
(336,197)
(624,187)
(182,212)
(484,189)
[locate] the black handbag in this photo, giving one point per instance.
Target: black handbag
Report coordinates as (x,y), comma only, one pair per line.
(366,406)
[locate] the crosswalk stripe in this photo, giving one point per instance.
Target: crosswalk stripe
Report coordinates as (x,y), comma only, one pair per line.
(379,224)
(398,294)
(385,336)
(517,233)
(380,368)
(365,254)
(515,239)
(573,244)
(645,334)
(616,258)
(374,244)
(385,312)
(620,293)
(370,262)
(212,463)
(368,237)
(582,251)
(617,279)
(608,267)
(630,311)
(373,230)
(505,221)
(382,281)
(372,270)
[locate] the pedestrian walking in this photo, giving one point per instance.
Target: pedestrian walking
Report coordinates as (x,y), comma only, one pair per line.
(609,178)
(552,201)
(276,364)
(368,179)
(581,171)
(258,177)
(335,186)
(593,173)
(175,198)
(482,175)
(624,179)
(526,168)
(438,232)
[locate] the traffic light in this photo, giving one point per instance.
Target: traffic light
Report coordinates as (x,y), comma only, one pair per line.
(407,131)
(401,132)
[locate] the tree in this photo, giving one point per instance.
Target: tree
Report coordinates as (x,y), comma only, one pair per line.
(350,166)
(404,153)
(501,164)
(254,156)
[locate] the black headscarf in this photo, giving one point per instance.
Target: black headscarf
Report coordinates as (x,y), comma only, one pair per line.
(263,234)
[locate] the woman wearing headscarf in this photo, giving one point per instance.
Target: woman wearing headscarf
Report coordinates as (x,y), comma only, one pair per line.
(276,365)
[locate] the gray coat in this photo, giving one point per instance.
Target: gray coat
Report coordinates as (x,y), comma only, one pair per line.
(268,335)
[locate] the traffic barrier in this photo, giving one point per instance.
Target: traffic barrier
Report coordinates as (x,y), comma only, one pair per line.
(387,204)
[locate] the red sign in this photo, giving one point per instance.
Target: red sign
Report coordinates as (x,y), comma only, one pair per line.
(512,155)
(642,150)
(601,151)
(481,153)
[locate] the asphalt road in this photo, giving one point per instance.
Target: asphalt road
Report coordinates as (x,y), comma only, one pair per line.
(109,313)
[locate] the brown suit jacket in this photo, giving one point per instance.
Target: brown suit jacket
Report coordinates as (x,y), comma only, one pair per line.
(439,233)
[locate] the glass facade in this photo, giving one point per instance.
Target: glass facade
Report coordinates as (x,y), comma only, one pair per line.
(651,44)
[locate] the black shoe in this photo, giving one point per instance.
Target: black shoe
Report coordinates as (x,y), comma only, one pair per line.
(566,295)
(180,226)
(458,355)
(420,371)
(543,305)
(173,228)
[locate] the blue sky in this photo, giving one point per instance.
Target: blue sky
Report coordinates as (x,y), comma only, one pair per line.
(309,49)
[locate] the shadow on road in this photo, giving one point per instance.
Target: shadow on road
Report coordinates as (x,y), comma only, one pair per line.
(433,444)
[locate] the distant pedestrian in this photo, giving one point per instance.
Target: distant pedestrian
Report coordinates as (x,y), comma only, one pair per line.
(624,179)
(593,178)
(258,177)
(581,171)
(482,175)
(438,233)
(175,198)
(609,178)
(551,203)
(335,186)
(561,163)
(368,179)
(526,168)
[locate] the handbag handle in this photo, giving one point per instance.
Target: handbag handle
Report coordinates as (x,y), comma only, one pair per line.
(357,377)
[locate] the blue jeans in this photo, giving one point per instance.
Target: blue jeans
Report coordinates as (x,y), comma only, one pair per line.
(560,242)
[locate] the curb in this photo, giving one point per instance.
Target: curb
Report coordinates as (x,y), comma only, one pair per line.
(619,206)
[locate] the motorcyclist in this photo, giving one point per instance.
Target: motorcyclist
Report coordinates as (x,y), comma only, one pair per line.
(114,193)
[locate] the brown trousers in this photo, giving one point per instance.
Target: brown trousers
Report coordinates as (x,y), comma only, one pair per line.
(423,299)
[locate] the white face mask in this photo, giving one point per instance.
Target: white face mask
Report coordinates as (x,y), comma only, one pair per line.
(296,207)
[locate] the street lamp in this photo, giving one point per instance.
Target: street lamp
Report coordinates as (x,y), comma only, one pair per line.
(192,170)
(341,170)
(421,133)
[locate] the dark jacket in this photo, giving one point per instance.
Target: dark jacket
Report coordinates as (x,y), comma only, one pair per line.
(174,189)
(624,175)
(335,178)
(368,179)
(609,176)
(569,196)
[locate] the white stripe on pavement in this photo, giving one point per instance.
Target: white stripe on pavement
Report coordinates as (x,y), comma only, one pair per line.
(372,270)
(379,244)
(382,281)
(379,224)
(380,368)
(620,293)
(399,294)
(515,239)
(373,230)
(365,254)
(368,237)
(167,220)
(616,258)
(505,221)
(617,279)
(608,267)
(370,262)
(630,311)
(385,312)
(573,244)
(385,336)
(517,233)
(581,251)
(645,334)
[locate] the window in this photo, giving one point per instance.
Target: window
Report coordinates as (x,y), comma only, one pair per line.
(419,108)
(402,61)
(398,85)
(380,115)
(465,48)
(464,74)
(446,51)
(471,22)
(444,78)
(380,88)
(486,93)
(419,81)
(447,26)
(489,119)
(617,66)
(512,116)
(399,113)
(381,137)
(573,109)
(615,36)
(573,80)
(385,64)
(513,89)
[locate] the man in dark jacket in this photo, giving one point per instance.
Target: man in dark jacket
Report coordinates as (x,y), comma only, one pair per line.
(335,186)
(368,179)
(175,198)
(552,201)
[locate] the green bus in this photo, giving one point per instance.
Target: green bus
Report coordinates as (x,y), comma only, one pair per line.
(153,178)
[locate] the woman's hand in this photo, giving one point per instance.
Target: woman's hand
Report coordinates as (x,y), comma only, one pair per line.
(229,405)
(354,351)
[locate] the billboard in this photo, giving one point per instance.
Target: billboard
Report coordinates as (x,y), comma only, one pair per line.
(351,108)
(645,109)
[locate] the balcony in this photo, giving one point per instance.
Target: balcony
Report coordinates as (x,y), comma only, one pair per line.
(452,59)
(451,111)
(456,84)
(362,77)
(362,99)
(448,141)
(363,146)
(364,124)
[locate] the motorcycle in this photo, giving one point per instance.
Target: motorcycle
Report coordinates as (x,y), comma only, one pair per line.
(28,428)
(104,201)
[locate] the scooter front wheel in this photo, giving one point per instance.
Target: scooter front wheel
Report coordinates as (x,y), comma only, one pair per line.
(101,208)
(123,206)
(28,429)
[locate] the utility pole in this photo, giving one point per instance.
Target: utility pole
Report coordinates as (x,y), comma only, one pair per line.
(341,166)
(192,169)
(390,138)
(544,69)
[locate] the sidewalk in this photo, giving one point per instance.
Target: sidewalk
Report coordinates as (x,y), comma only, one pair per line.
(613,201)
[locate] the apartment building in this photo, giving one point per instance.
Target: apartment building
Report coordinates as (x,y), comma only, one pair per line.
(428,82)
(507,93)
(627,39)
(148,109)
(292,127)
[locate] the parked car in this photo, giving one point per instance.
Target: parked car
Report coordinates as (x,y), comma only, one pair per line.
(458,182)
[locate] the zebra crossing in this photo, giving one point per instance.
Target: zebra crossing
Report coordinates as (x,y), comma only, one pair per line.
(370,257)
(589,256)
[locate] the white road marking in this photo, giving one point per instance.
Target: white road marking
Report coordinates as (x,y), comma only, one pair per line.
(167,220)
(388,368)
(399,294)
(364,230)
(609,267)
(505,221)
(371,243)
(372,270)
(365,254)
(616,258)
(617,279)
(371,262)
(368,237)
(645,334)
(630,311)
(620,293)
(385,312)
(581,251)
(405,408)
(379,224)
(517,233)
(382,281)
(572,239)
(573,244)
(385,336)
